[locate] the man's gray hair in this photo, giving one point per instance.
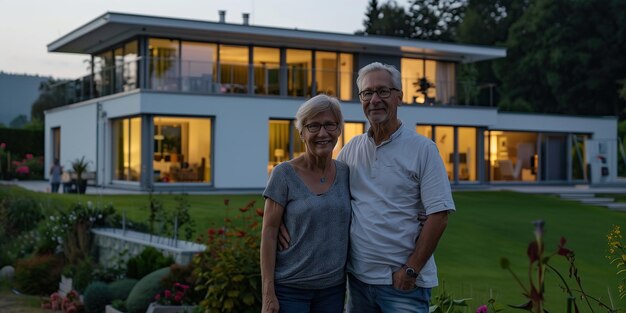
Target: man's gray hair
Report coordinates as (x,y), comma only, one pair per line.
(396,80)
(316,105)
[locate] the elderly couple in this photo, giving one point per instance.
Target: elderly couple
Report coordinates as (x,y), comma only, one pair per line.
(374,215)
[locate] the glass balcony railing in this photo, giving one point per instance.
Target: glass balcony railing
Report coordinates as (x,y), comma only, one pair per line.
(232,78)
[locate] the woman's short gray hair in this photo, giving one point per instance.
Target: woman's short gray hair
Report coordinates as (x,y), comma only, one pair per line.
(396,80)
(317,105)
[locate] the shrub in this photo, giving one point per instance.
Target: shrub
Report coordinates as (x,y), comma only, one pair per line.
(96,297)
(120,289)
(143,293)
(183,274)
(228,270)
(22,214)
(81,273)
(38,275)
(149,260)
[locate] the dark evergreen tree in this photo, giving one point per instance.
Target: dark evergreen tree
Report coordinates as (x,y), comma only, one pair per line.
(435,19)
(566,57)
(388,19)
(51,95)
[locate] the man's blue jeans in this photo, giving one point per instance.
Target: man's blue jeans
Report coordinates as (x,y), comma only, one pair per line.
(366,298)
(295,300)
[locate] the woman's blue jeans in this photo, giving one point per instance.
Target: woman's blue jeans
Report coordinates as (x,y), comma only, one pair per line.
(295,300)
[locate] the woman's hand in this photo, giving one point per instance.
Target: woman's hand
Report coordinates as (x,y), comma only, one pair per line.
(270,304)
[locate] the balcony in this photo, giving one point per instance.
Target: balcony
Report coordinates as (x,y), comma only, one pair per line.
(267,79)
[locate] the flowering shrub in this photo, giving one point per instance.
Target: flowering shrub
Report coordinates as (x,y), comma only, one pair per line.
(617,256)
(175,295)
(70,303)
(228,271)
(30,167)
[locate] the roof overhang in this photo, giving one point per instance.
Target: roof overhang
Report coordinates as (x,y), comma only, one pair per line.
(112,28)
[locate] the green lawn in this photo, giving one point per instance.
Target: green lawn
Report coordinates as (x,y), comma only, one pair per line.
(487,226)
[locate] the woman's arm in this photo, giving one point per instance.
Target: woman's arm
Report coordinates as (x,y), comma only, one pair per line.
(272,218)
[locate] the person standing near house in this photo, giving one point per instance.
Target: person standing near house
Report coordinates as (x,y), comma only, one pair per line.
(55,175)
(401,198)
(311,196)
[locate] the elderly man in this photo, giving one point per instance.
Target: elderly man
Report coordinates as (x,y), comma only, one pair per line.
(400,203)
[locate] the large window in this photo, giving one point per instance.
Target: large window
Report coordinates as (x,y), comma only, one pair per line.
(234,69)
(126,134)
(326,73)
(182,149)
(427,81)
(266,71)
(346,73)
(163,64)
(350,130)
(299,67)
(459,160)
(512,156)
(284,142)
(198,66)
(103,67)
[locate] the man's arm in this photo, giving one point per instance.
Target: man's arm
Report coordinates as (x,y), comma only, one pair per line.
(424,247)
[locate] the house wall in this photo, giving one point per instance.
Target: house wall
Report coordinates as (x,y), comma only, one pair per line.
(78,133)
(240,146)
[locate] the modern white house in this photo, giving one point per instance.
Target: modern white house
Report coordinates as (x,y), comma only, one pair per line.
(177,104)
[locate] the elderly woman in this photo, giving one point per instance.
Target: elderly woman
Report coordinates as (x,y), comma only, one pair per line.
(311,196)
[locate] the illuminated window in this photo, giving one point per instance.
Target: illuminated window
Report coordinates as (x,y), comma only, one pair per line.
(467,153)
(425,130)
(299,67)
(346,73)
(350,130)
(266,71)
(326,73)
(163,63)
(233,69)
(198,66)
(427,81)
(127,149)
(182,149)
(285,142)
(512,155)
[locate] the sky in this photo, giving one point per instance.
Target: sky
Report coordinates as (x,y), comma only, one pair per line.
(28,26)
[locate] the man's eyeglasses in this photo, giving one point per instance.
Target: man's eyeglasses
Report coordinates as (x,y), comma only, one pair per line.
(315,127)
(383,93)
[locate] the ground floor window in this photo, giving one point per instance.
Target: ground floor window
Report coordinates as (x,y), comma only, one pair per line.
(126,137)
(181,149)
(457,147)
(513,156)
(56,143)
(350,130)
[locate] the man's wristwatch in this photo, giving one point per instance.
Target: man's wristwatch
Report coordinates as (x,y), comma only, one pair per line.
(409,271)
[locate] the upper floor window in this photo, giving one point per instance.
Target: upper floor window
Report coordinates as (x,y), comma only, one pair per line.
(233,69)
(427,81)
(163,63)
(198,66)
(299,72)
(266,71)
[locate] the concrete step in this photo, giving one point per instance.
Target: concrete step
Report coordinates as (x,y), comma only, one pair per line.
(616,206)
(596,200)
(577,195)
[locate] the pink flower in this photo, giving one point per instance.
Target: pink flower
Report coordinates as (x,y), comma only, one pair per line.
(29,156)
(22,170)
(167,294)
(482,309)
(157,297)
(3,146)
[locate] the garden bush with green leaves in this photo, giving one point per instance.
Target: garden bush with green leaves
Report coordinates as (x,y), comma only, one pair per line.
(228,271)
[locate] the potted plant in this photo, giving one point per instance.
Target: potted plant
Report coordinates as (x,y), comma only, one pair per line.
(80,167)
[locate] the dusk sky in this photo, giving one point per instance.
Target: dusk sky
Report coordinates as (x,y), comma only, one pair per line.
(28,26)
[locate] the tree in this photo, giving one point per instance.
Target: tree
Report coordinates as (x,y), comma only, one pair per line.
(19,121)
(567,57)
(435,19)
(486,22)
(386,20)
(51,95)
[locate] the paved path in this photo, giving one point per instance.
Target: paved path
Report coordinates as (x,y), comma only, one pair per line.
(44,186)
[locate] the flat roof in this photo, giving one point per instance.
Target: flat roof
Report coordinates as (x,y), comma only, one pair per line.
(112,28)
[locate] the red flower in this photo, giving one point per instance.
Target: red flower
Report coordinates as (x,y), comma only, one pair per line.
(259,212)
(241,233)
(3,145)
(226,202)
(211,231)
(167,294)
(29,156)
(220,231)
(243,209)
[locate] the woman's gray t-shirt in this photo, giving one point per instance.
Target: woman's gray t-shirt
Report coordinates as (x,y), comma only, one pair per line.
(318,226)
